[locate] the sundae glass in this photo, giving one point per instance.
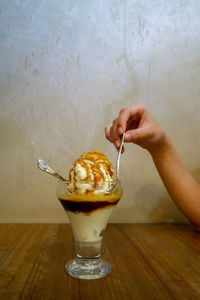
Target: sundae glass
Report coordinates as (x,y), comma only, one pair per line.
(88,197)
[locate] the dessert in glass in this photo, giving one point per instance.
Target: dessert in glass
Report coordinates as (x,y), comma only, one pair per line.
(88,197)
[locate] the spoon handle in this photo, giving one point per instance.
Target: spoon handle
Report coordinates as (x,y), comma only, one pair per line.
(42,165)
(118,156)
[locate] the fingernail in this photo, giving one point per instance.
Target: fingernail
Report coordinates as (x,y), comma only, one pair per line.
(117,144)
(128,137)
(120,130)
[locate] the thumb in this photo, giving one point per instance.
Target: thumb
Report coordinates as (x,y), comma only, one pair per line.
(134,135)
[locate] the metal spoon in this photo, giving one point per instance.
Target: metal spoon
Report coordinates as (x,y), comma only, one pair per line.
(44,167)
(119,155)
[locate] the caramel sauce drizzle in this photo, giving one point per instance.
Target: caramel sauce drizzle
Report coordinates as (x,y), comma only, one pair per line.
(92,162)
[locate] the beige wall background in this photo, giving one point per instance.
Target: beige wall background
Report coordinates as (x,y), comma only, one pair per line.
(66,69)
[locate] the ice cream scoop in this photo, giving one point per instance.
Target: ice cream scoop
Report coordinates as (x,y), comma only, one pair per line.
(91,166)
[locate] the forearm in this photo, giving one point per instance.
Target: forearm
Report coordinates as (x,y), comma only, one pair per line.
(182,187)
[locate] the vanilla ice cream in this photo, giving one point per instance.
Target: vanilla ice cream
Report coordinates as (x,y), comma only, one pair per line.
(93,167)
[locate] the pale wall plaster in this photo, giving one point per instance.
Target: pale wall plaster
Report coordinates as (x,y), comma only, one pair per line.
(66,69)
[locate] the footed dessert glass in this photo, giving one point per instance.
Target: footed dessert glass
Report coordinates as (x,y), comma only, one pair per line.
(88,213)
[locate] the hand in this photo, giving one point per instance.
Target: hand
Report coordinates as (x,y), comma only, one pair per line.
(139,126)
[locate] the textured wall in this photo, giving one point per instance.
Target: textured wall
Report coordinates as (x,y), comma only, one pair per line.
(66,68)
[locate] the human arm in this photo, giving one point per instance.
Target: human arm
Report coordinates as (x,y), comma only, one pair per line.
(180,184)
(141,129)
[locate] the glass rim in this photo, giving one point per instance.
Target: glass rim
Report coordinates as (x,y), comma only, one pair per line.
(89,181)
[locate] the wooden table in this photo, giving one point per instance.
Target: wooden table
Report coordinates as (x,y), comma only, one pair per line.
(148,261)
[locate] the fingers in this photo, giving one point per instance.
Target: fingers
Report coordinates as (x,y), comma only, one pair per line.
(134,136)
(111,136)
(123,119)
(114,134)
(134,112)
(107,133)
(129,121)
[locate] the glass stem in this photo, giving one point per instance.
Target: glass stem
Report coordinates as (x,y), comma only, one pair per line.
(88,249)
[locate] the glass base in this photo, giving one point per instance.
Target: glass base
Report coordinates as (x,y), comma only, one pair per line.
(83,268)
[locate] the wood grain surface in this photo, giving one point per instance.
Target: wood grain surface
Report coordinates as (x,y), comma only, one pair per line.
(149,261)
